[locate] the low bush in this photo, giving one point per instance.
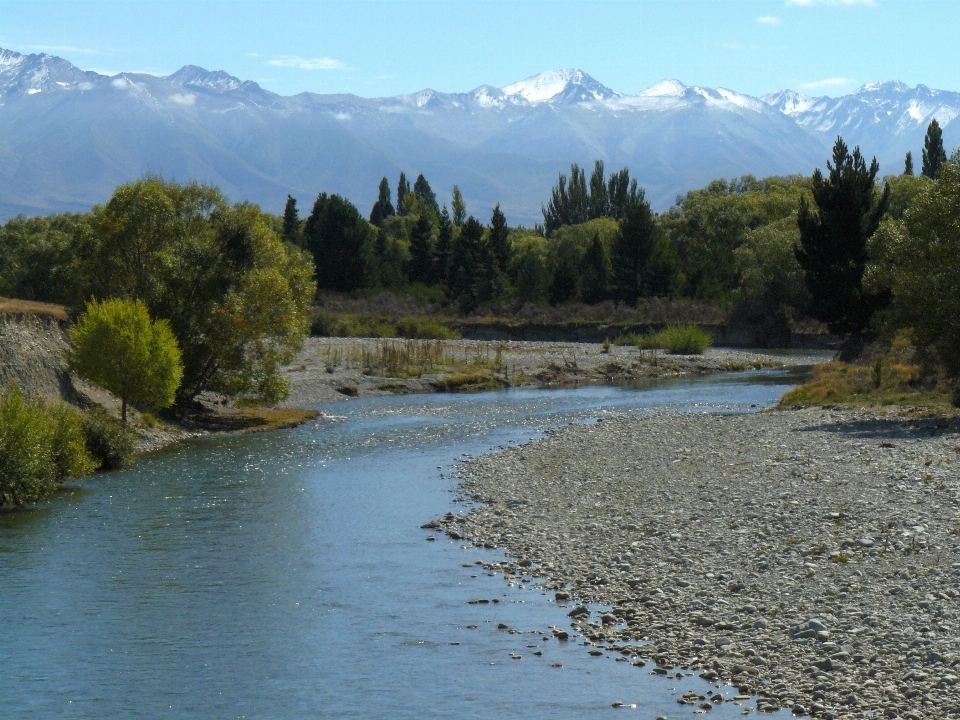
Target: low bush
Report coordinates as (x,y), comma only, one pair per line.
(682,340)
(40,445)
(110,442)
(327,324)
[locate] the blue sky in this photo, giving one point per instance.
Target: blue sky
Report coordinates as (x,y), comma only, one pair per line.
(386,48)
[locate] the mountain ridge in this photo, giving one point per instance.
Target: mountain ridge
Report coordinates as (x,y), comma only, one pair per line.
(68,136)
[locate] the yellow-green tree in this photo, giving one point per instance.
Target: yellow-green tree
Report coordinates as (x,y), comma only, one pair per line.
(118,346)
(236,297)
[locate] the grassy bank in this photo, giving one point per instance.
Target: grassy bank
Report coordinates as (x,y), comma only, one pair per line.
(889,380)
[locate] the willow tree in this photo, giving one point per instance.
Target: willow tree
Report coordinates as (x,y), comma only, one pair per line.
(236,297)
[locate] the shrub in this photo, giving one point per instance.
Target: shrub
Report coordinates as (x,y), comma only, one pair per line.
(681,340)
(424,329)
(27,470)
(68,443)
(110,442)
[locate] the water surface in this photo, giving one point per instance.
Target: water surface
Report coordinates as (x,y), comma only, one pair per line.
(284,575)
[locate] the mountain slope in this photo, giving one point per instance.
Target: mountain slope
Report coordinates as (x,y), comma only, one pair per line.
(68,137)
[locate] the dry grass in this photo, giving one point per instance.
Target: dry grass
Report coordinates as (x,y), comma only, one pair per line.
(856,384)
(12,305)
(413,358)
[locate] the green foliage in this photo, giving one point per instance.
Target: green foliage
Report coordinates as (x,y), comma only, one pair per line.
(499,238)
(118,347)
(236,297)
(707,226)
(110,443)
(934,155)
(422,249)
(904,190)
(341,243)
(918,259)
(596,272)
(459,207)
(327,324)
(39,446)
(403,191)
(529,269)
(575,203)
(382,208)
(681,339)
(421,188)
(291,221)
(833,240)
(465,260)
(632,248)
(908,164)
(33,255)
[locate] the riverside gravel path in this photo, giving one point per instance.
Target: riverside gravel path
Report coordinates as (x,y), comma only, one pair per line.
(809,557)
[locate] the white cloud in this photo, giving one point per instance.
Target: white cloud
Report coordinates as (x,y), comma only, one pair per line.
(307,63)
(807,3)
(184,99)
(837,82)
(65,49)
(768,20)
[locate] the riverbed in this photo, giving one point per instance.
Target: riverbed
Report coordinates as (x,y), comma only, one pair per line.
(285,574)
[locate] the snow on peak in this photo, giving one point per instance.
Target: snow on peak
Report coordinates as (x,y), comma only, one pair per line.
(886,86)
(553,83)
(790,102)
(195,76)
(666,88)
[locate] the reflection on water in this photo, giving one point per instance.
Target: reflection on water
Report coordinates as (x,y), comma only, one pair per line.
(284,575)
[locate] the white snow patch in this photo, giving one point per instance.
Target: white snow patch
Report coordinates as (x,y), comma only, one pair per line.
(185,99)
(33,91)
(85,86)
(120,83)
(341,116)
(665,88)
(744,101)
(547,85)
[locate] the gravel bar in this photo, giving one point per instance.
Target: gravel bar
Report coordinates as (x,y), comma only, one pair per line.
(810,558)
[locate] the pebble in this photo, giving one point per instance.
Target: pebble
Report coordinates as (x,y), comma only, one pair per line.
(799,555)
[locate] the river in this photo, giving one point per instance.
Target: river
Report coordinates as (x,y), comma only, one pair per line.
(284,575)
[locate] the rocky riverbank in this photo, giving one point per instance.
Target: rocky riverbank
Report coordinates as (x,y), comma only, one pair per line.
(808,558)
(330,369)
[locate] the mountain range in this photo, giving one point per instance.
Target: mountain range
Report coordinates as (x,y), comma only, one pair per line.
(68,136)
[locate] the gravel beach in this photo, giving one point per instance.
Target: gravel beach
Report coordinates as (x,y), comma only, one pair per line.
(810,558)
(330,369)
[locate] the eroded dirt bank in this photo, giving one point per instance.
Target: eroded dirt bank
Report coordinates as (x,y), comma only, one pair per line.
(811,557)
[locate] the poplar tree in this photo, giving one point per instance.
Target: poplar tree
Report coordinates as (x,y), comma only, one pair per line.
(908,164)
(933,153)
(459,207)
(291,221)
(403,189)
(847,209)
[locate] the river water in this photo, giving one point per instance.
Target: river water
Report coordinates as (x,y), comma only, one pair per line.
(284,575)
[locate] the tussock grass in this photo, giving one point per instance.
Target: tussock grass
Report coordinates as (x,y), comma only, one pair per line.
(326,324)
(679,339)
(12,305)
(470,382)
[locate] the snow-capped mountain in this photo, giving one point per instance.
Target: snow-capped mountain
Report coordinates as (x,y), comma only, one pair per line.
(68,137)
(884,118)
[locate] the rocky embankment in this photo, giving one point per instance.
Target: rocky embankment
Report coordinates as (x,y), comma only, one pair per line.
(810,558)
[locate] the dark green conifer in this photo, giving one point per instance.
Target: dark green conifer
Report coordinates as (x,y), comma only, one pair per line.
(382,208)
(908,164)
(459,207)
(500,238)
(291,221)
(596,272)
(464,260)
(847,209)
(421,188)
(598,204)
(341,242)
(421,250)
(441,250)
(933,153)
(632,248)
